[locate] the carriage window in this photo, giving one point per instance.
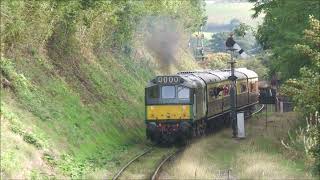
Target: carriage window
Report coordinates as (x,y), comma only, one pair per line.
(252,88)
(168,92)
(216,91)
(226,90)
(243,88)
(153,92)
(220,89)
(183,92)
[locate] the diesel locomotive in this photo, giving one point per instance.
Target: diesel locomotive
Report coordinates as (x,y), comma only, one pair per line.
(191,103)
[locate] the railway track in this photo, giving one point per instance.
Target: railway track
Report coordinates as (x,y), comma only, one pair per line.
(259,110)
(130,162)
(163,161)
(155,172)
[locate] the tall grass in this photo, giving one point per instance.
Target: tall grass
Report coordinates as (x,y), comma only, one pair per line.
(259,156)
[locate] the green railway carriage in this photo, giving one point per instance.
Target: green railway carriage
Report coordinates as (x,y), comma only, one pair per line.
(189,103)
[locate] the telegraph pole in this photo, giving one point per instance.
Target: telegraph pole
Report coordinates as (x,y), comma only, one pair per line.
(233,99)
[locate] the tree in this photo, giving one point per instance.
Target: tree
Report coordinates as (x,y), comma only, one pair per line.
(246,42)
(305,90)
(282,28)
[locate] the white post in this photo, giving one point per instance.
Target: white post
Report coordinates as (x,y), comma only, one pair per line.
(240,124)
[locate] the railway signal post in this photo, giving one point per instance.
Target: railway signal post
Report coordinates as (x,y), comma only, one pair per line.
(233,79)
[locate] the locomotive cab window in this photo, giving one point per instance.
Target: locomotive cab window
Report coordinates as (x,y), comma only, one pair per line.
(183,92)
(168,92)
(153,92)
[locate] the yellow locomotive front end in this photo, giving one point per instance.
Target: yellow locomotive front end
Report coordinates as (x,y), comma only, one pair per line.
(169,110)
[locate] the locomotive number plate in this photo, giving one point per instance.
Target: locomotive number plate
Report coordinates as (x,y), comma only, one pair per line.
(168,79)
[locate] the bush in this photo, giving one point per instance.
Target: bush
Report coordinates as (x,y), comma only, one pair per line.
(305,89)
(31,139)
(17,127)
(313,135)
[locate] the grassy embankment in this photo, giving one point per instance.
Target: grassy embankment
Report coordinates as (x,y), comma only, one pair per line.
(260,155)
(72,83)
(64,120)
(64,114)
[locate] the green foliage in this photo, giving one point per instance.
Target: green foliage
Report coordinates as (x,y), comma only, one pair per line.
(103,24)
(305,90)
(295,54)
(31,139)
(217,43)
(256,64)
(50,159)
(242,29)
(9,162)
(18,19)
(34,137)
(67,68)
(220,61)
(72,167)
(217,60)
(313,138)
(246,41)
(282,28)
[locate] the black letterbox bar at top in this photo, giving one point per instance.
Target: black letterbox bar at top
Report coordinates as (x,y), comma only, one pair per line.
(168,80)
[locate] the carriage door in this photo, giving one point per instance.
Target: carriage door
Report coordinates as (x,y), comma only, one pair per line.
(204,102)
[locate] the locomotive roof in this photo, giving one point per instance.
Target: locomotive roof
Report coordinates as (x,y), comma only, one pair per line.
(195,78)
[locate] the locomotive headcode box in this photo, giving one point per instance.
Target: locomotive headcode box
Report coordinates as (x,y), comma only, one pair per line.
(169,80)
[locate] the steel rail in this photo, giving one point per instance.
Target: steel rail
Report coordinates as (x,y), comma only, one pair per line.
(158,169)
(130,162)
(258,110)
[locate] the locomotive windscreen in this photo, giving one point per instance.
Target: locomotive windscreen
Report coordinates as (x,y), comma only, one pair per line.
(183,92)
(168,94)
